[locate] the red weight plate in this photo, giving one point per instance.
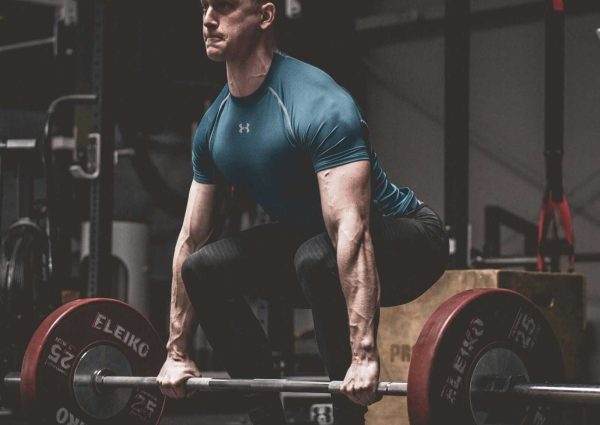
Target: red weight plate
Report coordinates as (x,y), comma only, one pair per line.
(59,342)
(458,333)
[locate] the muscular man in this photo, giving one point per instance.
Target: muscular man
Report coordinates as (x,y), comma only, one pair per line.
(344,239)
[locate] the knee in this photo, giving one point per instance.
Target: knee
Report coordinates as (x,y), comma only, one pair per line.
(188,274)
(315,263)
(196,271)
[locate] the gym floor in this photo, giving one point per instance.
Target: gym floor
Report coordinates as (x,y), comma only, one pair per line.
(208,419)
(184,419)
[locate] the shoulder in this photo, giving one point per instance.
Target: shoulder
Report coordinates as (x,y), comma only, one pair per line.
(306,81)
(302,71)
(309,89)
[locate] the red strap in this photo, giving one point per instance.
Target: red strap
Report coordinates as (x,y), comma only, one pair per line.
(566,222)
(547,216)
(559,5)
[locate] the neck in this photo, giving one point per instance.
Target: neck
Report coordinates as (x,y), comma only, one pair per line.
(246,74)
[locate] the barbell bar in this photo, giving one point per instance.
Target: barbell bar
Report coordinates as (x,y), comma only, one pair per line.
(92,361)
(479,261)
(103,382)
(557,393)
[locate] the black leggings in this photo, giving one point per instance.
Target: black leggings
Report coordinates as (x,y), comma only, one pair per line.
(275,263)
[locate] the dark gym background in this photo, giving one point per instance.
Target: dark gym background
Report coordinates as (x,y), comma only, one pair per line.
(389,53)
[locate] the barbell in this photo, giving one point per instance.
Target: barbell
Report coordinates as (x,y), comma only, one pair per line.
(485,355)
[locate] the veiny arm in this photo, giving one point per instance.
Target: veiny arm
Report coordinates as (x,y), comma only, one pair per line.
(195,231)
(345,201)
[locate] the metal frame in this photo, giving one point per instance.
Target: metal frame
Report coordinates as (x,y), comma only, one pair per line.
(456,127)
(101,188)
(495,218)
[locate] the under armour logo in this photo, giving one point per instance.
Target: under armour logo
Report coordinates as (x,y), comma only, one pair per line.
(245,128)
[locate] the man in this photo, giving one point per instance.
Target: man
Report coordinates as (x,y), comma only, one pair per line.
(285,133)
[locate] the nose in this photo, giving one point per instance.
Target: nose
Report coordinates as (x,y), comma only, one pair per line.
(209,19)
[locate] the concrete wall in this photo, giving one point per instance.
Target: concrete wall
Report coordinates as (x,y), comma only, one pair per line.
(406,112)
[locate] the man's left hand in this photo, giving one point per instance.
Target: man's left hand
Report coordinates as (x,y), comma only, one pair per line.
(361,381)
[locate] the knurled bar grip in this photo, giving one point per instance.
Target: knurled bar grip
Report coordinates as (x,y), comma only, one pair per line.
(249,385)
(559,393)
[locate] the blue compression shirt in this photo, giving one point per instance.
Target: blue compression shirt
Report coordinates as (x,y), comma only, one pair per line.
(272,143)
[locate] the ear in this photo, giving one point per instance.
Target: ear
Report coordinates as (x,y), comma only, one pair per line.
(267,15)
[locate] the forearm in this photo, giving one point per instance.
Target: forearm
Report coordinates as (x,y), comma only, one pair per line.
(195,232)
(360,285)
(182,317)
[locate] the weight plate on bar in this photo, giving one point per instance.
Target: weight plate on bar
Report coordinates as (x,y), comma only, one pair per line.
(495,371)
(58,345)
(96,402)
(458,334)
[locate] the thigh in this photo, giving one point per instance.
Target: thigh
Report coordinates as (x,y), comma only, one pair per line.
(255,262)
(411,254)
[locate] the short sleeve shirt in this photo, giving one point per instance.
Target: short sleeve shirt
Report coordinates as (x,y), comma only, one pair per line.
(272,143)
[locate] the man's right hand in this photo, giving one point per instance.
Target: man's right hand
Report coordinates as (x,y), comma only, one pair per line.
(175,371)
